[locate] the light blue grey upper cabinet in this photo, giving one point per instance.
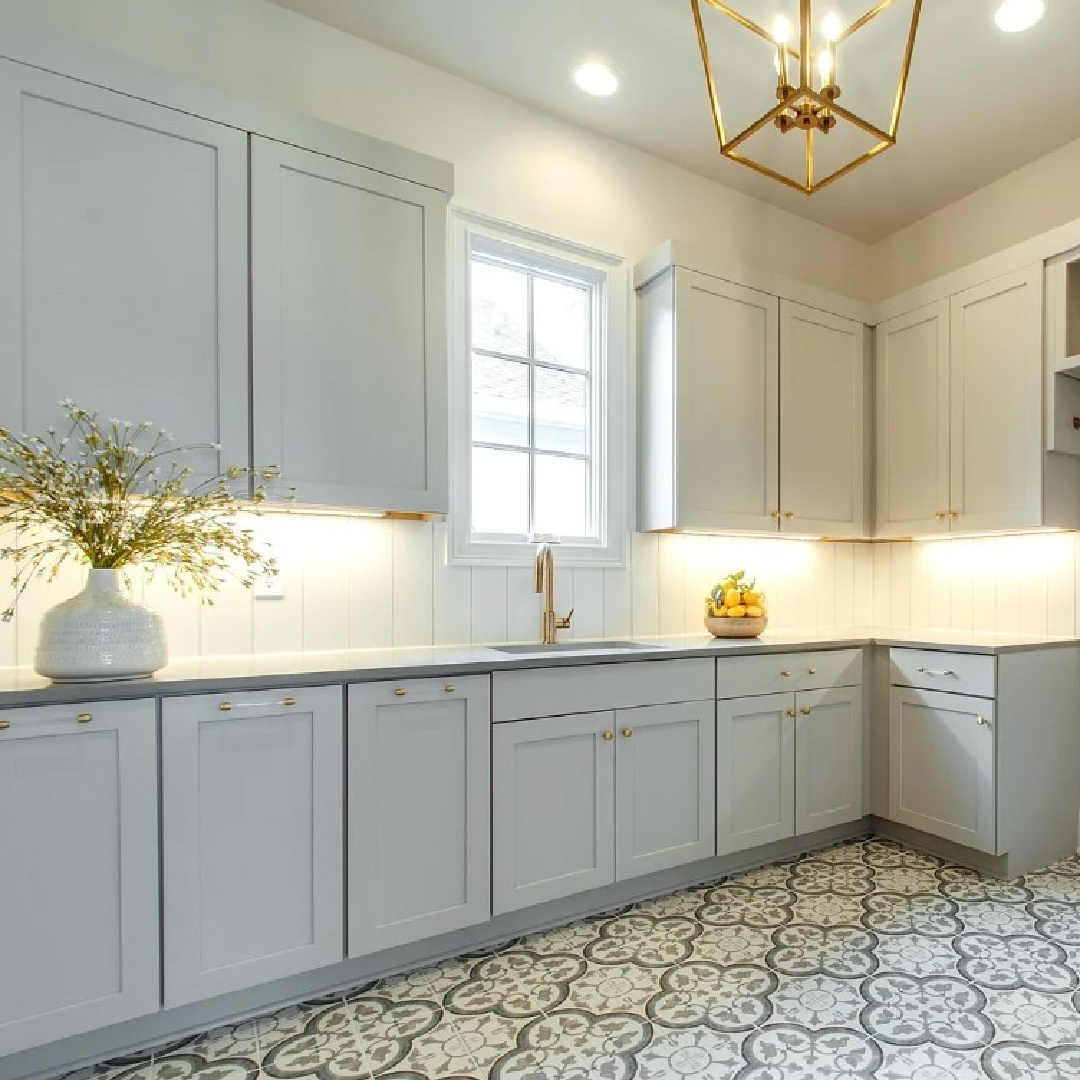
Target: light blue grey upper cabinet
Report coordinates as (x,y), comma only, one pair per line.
(123,264)
(254,852)
(553,808)
(349,331)
(419,831)
(665,787)
(78,870)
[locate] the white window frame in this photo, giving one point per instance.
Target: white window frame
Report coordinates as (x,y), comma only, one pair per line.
(609,382)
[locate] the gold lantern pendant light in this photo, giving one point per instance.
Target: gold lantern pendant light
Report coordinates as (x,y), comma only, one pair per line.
(805,107)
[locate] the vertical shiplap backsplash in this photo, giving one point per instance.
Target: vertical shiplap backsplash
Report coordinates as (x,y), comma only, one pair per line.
(364,583)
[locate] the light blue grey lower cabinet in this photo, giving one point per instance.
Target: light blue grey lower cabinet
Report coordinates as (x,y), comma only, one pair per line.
(78,869)
(755,778)
(419,809)
(553,808)
(584,800)
(252,797)
(828,758)
(665,787)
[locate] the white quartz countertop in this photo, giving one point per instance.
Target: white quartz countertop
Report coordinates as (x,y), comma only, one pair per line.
(20,686)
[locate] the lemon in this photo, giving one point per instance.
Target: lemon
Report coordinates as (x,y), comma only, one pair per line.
(753,611)
(737,612)
(732,598)
(751,598)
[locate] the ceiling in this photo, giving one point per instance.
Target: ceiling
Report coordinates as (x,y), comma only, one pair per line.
(980,103)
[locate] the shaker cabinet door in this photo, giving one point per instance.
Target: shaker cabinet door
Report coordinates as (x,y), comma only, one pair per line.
(123,264)
(823,446)
(755,771)
(78,870)
(349,337)
(553,808)
(419,810)
(665,787)
(941,766)
(912,387)
(828,758)
(252,800)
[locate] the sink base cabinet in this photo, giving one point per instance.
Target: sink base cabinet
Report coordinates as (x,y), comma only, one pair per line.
(665,782)
(941,766)
(419,810)
(553,808)
(78,870)
(252,800)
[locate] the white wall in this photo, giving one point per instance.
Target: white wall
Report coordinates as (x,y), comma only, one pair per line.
(1032,200)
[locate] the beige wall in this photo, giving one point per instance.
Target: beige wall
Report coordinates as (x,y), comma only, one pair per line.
(1032,200)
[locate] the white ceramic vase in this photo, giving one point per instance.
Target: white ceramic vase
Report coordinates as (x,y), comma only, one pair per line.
(100,635)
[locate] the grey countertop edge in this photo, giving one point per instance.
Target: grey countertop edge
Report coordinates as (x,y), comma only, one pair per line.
(19,687)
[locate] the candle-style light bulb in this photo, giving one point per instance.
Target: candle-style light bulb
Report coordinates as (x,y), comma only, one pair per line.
(832,27)
(781,30)
(824,63)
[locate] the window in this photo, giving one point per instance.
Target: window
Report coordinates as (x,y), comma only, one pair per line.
(539,349)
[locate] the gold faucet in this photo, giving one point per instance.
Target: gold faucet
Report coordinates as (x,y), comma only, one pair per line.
(544,582)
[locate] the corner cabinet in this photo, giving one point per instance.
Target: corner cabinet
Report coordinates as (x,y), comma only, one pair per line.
(252,799)
(753,410)
(79,866)
(123,264)
(419,776)
(349,331)
(962,440)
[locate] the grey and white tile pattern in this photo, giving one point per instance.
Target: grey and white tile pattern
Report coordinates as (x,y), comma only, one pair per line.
(865,960)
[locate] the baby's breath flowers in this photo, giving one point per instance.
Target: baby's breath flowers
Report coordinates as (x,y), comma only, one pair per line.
(114,494)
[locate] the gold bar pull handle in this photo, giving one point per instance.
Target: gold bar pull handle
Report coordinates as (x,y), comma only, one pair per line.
(228,706)
(225,706)
(400,692)
(449,688)
(811,671)
(84,718)
(4,725)
(805,710)
(786,674)
(289,701)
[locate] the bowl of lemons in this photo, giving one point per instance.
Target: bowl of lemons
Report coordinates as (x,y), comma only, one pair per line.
(735,607)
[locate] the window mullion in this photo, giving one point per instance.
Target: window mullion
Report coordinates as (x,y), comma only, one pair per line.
(530,322)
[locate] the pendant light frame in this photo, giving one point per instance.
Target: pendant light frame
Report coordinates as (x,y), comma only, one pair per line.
(818,106)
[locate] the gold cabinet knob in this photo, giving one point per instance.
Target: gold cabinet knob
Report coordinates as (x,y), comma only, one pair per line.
(954,513)
(608,736)
(789,515)
(774,514)
(289,701)
(627,732)
(811,671)
(449,688)
(805,710)
(939,515)
(789,712)
(234,472)
(981,721)
(84,718)
(225,706)
(786,674)
(400,692)
(4,725)
(271,472)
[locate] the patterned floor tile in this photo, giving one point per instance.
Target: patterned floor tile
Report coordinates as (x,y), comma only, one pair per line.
(865,960)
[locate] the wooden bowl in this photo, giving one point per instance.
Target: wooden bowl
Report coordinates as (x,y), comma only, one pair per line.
(735,628)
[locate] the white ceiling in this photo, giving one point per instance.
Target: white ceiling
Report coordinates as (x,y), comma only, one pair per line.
(980,103)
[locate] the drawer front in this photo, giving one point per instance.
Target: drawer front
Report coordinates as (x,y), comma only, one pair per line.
(933,669)
(521,695)
(775,673)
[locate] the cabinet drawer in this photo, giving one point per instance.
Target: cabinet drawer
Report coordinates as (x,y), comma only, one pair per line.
(745,676)
(520,695)
(931,669)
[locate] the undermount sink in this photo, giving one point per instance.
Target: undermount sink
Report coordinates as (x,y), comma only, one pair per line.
(569,646)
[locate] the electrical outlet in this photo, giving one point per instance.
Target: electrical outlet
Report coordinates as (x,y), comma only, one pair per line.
(270,587)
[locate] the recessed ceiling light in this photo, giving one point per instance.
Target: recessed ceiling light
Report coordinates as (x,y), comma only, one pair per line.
(1012,16)
(596,79)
